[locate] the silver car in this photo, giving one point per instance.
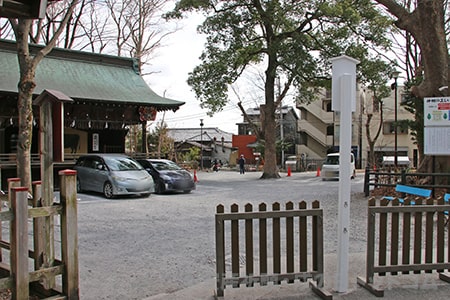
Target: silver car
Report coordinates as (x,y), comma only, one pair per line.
(113,175)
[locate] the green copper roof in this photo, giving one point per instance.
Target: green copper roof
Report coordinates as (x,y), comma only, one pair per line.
(84,76)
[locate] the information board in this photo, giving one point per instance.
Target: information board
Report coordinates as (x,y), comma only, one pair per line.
(437,141)
(436,111)
(437,126)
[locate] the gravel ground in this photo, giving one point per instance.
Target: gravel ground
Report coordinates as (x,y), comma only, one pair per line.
(135,248)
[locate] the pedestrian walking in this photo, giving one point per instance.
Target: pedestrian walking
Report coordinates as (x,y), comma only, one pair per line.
(242,164)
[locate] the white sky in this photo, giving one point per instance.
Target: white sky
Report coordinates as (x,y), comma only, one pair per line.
(173,62)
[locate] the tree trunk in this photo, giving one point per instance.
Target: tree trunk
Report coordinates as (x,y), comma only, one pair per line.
(26,87)
(427,25)
(270,165)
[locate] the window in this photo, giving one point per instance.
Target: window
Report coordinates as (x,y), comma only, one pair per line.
(330,130)
(389,128)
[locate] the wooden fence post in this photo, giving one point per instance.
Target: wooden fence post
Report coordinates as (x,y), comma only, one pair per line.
(69,233)
(366,181)
(249,245)
(220,252)
(263,244)
(38,227)
(19,243)
(235,246)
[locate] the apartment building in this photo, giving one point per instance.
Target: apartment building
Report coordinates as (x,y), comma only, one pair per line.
(319,128)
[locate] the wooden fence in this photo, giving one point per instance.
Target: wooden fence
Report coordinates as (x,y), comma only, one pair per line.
(407,238)
(271,251)
(382,178)
(15,272)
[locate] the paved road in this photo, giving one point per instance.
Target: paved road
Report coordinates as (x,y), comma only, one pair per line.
(133,248)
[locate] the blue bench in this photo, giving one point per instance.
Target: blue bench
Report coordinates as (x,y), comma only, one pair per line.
(410,190)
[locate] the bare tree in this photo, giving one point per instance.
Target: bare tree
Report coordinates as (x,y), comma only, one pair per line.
(139,29)
(426,26)
(27,64)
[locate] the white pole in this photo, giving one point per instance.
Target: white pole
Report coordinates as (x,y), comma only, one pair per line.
(345,140)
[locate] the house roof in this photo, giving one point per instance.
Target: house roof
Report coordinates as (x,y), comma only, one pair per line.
(84,76)
(194,134)
(255,111)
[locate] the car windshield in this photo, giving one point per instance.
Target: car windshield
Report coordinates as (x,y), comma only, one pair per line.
(332,160)
(121,164)
(165,165)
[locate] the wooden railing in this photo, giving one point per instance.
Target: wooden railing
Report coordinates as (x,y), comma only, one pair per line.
(383,178)
(408,238)
(15,273)
(271,251)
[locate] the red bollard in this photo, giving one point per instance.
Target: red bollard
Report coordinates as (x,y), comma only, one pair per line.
(195,176)
(318,172)
(289,171)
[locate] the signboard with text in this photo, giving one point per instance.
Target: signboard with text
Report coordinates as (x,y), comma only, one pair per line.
(436,111)
(437,125)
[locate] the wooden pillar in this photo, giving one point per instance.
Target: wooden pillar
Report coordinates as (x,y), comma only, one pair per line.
(19,243)
(144,137)
(51,148)
(69,233)
(38,228)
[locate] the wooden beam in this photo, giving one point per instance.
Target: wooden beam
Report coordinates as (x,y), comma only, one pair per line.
(23,8)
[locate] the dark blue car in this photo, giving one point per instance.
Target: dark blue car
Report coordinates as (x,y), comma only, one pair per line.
(168,176)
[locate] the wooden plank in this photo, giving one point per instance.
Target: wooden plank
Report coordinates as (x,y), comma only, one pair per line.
(6,216)
(406,243)
(302,276)
(38,228)
(272,214)
(69,234)
(319,291)
(394,236)
(370,287)
(411,208)
(412,190)
(46,272)
(46,140)
(383,237)
(314,241)
(47,211)
(19,243)
(318,252)
(440,242)
(370,255)
(429,234)
(220,252)
(303,240)
(276,242)
(412,267)
(249,245)
(263,244)
(6,283)
(235,245)
(290,241)
(417,237)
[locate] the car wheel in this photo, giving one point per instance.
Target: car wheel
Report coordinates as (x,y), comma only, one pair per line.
(108,190)
(159,188)
(186,191)
(79,190)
